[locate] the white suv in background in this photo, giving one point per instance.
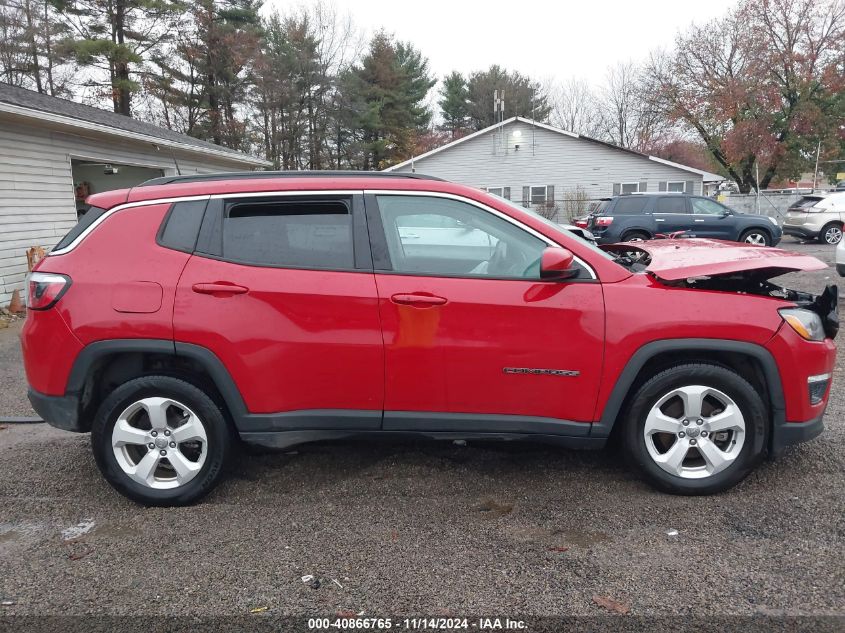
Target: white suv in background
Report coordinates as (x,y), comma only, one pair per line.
(817,216)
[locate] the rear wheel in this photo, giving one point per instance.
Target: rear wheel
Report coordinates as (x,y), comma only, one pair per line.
(831,233)
(635,236)
(161,441)
(695,429)
(756,237)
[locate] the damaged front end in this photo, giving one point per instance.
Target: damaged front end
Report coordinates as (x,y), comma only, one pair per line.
(729,267)
(825,305)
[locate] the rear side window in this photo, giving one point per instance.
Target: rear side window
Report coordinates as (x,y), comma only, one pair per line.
(671,204)
(296,234)
(182,226)
(599,208)
(806,203)
(90,216)
(632,205)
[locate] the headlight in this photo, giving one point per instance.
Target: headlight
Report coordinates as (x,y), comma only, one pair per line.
(772,220)
(808,324)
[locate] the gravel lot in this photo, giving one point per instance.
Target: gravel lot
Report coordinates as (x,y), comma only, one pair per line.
(420,528)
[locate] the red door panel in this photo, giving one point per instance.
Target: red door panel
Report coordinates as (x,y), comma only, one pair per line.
(457,344)
(291,339)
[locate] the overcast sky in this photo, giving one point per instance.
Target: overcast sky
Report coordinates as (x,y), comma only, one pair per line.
(552,39)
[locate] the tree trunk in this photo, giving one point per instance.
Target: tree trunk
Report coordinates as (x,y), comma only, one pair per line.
(121,90)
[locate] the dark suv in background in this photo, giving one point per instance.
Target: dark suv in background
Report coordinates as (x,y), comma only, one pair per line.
(642,216)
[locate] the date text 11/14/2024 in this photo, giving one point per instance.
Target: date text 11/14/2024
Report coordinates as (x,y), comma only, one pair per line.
(417,624)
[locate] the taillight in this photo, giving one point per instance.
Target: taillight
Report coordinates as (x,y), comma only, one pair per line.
(604,220)
(581,224)
(45,289)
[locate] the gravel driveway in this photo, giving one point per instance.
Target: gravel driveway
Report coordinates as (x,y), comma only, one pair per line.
(421,528)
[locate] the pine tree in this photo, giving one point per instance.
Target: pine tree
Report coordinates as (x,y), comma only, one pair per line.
(523,97)
(115,37)
(454,104)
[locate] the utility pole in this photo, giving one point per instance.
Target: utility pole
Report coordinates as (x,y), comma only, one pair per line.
(816,171)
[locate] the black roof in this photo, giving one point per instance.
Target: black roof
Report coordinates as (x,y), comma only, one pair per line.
(54,105)
(250,175)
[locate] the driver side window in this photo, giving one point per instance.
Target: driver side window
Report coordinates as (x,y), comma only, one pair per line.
(439,236)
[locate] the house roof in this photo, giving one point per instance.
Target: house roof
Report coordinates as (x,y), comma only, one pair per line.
(43,107)
(707,176)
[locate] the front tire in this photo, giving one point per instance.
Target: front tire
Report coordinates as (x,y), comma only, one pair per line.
(756,237)
(161,441)
(695,429)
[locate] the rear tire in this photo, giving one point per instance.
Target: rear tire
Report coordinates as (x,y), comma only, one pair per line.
(161,441)
(831,233)
(681,450)
(635,236)
(756,237)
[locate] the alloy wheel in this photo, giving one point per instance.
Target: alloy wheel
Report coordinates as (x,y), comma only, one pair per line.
(833,235)
(694,432)
(159,443)
(756,239)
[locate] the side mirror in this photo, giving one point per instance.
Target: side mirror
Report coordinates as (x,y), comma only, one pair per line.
(556,264)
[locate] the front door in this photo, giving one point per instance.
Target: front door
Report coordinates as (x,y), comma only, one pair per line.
(474,341)
(711,219)
(281,290)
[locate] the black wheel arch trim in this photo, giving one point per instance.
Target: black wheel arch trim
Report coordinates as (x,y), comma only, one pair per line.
(221,377)
(629,374)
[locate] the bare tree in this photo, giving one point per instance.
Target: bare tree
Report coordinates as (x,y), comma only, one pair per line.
(575,107)
(628,116)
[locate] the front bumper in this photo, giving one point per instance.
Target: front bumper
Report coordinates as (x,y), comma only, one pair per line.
(59,411)
(790,433)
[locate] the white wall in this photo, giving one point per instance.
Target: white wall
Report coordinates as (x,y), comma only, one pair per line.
(37,204)
(545,157)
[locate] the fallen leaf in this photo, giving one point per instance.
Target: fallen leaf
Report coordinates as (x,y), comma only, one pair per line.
(612,605)
(558,549)
(259,609)
(3,427)
(394,535)
(345,613)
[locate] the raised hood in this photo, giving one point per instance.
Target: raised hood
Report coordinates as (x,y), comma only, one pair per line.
(675,260)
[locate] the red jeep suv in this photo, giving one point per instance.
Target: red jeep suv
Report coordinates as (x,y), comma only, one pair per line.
(189,314)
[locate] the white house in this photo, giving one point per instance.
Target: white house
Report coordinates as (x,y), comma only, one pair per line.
(541,165)
(53,152)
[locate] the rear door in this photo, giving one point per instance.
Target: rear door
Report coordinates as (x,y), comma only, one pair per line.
(672,213)
(281,290)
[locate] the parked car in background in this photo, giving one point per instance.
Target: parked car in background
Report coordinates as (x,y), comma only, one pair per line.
(817,216)
(193,313)
(641,216)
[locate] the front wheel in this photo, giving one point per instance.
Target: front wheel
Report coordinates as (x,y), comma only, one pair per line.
(695,429)
(161,441)
(756,237)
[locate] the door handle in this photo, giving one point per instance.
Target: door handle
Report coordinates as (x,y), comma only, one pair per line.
(699,220)
(418,300)
(659,219)
(219,288)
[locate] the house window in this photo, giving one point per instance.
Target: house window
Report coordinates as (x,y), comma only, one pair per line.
(629,187)
(502,192)
(538,195)
(677,187)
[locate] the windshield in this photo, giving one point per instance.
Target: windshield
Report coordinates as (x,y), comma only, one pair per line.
(558,227)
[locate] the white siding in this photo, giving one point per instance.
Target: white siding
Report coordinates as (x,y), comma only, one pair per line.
(545,157)
(37,204)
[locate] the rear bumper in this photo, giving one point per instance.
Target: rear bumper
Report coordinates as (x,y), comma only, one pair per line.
(59,411)
(800,231)
(791,433)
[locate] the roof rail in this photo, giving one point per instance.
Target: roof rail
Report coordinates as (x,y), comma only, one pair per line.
(250,175)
